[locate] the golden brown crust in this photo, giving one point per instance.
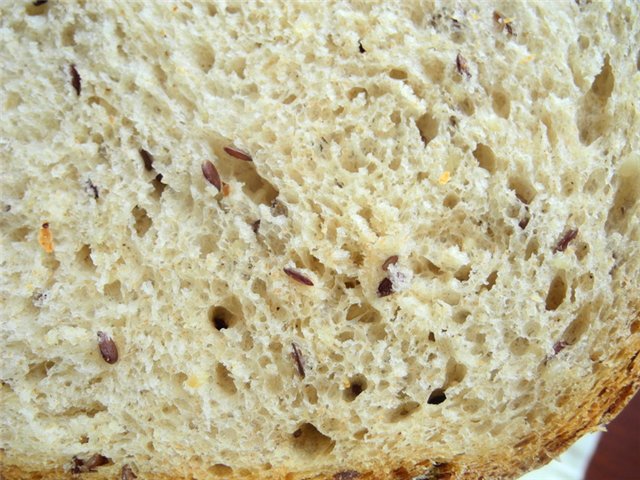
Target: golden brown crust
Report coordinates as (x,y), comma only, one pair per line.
(609,396)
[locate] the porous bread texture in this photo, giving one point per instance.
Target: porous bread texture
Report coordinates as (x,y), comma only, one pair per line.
(427,130)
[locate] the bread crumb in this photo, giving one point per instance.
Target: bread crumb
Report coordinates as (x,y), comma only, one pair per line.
(45,238)
(444,178)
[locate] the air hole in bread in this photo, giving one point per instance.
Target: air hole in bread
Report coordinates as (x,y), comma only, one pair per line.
(398,74)
(39,371)
(204,57)
(83,257)
(490,281)
(376,332)
(581,250)
(360,434)
(89,409)
(158,187)
(485,157)
(472,405)
(67,37)
(221,470)
(532,248)
(32,8)
(455,373)
(467,106)
(311,393)
(224,379)
(603,83)
(351,283)
(221,318)
(524,190)
(424,266)
(550,129)
(501,103)
(596,181)
(345,336)
(109,110)
(256,187)
(356,92)
(593,118)
(578,326)
(308,440)
(437,396)
(13,100)
(626,196)
(557,292)
(19,234)
(460,316)
(84,439)
(114,290)
(463,273)
(519,346)
(247,342)
(357,385)
(208,245)
(142,222)
(403,411)
(450,297)
(451,200)
(583,42)
(428,128)
(212,11)
(290,99)
(363,312)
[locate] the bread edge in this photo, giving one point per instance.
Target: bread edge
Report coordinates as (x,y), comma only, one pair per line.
(607,399)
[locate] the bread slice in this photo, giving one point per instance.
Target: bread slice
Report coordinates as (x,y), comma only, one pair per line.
(315,240)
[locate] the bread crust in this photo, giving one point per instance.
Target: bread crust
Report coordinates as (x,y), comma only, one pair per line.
(612,393)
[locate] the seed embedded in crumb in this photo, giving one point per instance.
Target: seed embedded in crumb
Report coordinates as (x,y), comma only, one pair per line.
(563,243)
(75,79)
(211,174)
(297,433)
(89,465)
(237,153)
(91,189)
(226,189)
(360,47)
(559,346)
(127,473)
(108,348)
(297,356)
(502,23)
(45,238)
(298,277)
(463,66)
(147,159)
(255,226)
(385,287)
(392,260)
